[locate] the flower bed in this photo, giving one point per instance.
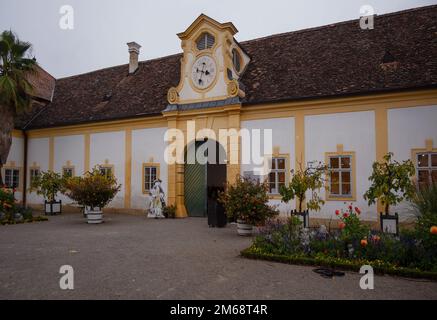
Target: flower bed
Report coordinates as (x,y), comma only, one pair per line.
(11,212)
(28,220)
(413,253)
(379,267)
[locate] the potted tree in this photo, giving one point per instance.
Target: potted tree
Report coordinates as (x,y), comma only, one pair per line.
(303,180)
(246,202)
(93,191)
(48,184)
(391,184)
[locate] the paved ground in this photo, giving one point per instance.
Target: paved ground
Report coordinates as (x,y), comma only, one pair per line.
(129,257)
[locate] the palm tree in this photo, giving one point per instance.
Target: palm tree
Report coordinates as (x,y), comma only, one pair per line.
(15,89)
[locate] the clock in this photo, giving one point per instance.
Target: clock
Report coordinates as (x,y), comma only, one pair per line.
(203,72)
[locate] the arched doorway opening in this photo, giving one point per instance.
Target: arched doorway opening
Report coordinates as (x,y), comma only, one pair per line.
(204,177)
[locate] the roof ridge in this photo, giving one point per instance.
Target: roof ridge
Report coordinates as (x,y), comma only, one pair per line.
(119,66)
(336,24)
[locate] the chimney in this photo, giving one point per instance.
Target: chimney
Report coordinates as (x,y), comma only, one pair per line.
(134,51)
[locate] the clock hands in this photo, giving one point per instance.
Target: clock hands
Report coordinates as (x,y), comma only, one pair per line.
(201,73)
(203,69)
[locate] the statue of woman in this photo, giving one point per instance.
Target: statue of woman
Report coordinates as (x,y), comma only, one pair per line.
(157,201)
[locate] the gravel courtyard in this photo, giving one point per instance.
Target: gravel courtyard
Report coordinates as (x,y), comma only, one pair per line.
(129,257)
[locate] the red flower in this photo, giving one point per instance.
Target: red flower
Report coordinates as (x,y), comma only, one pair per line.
(345,215)
(337,212)
(357,210)
(341,225)
(350,207)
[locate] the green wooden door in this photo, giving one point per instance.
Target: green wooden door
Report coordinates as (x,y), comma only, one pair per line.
(195,189)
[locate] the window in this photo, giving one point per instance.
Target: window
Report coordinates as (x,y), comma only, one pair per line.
(236,60)
(106,171)
(68,172)
(205,41)
(426,168)
(34,173)
(12,178)
(277,175)
(150,174)
(340,176)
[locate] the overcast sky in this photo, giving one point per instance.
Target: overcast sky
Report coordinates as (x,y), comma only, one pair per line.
(102,27)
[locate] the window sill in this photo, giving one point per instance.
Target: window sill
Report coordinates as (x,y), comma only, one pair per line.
(340,198)
(275,197)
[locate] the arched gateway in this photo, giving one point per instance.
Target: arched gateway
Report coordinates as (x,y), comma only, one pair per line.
(204,177)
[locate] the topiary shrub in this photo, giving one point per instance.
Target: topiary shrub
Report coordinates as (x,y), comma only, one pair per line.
(247,200)
(92,190)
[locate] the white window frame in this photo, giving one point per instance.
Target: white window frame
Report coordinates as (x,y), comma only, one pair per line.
(430,168)
(276,171)
(151,179)
(11,176)
(340,170)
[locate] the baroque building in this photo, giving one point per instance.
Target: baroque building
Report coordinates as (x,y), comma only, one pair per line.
(336,94)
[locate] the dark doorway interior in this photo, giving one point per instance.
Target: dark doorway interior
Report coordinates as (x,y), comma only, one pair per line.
(203,182)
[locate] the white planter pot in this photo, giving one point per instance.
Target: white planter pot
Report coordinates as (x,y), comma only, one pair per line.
(94,215)
(52,208)
(244,229)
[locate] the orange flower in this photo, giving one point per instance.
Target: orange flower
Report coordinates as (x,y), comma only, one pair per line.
(433,230)
(376,238)
(363,242)
(341,225)
(357,210)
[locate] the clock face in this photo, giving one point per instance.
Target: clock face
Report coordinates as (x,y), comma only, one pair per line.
(203,72)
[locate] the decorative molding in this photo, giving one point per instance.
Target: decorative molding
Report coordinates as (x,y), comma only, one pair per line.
(429,143)
(172,96)
(233,88)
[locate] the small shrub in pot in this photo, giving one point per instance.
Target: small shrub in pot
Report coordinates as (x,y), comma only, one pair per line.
(246,201)
(93,191)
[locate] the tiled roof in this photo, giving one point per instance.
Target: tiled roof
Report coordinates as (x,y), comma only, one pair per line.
(333,60)
(43,89)
(43,84)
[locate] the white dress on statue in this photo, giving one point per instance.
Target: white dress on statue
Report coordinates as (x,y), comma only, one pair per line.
(157,195)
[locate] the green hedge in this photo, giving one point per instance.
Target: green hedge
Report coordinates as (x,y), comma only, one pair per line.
(379,267)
